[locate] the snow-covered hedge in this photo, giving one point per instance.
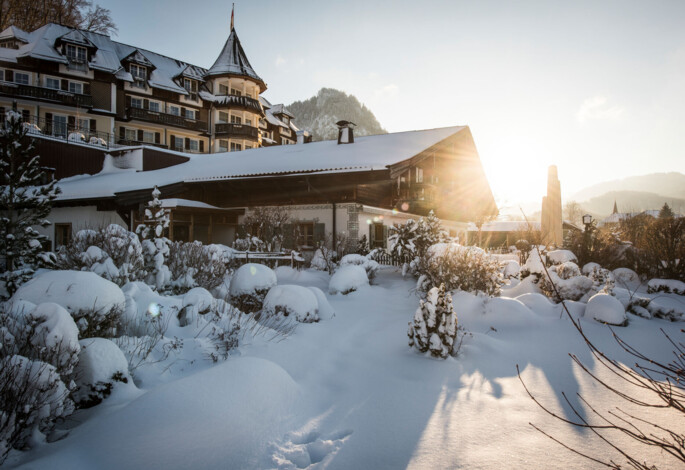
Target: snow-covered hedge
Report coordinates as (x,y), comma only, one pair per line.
(511,269)
(347,279)
(370,266)
(467,268)
(561,256)
(95,303)
(434,327)
(101,364)
(627,278)
(669,286)
(197,265)
(288,300)
(606,308)
(249,285)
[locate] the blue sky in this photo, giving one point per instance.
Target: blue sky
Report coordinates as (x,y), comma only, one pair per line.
(597,88)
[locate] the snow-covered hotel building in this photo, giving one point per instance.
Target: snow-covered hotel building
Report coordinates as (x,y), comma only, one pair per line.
(114,121)
(78,85)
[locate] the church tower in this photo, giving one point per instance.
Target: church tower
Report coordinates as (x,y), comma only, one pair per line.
(551,221)
(235,88)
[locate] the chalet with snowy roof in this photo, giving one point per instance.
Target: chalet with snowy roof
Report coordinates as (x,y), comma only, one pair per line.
(84,88)
(332,190)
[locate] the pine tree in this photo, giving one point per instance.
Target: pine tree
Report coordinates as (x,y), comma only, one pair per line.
(25,202)
(429,231)
(156,219)
(666,212)
(155,245)
(434,327)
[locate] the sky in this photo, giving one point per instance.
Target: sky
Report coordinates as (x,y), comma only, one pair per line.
(596,88)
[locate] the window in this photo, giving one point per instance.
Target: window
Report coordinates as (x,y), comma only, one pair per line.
(138,72)
(248,122)
(378,236)
(223,145)
(59,125)
(305,234)
(131,134)
(178,144)
(53,83)
(194,145)
(236,147)
(190,85)
(175,110)
(223,117)
(149,137)
(2,75)
(84,124)
(136,103)
(247,146)
(223,89)
(236,120)
(62,234)
(76,53)
(190,114)
(286,119)
(154,106)
(236,92)
(75,87)
(419,175)
(22,78)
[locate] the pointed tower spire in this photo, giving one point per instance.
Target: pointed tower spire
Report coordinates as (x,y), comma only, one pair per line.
(233,61)
(615,208)
(232,12)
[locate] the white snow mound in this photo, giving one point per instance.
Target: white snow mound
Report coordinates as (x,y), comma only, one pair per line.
(99,361)
(251,277)
(326,312)
(561,256)
(292,300)
(606,308)
(348,279)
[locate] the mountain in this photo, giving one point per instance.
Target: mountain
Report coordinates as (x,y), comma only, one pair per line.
(670,185)
(319,114)
(631,201)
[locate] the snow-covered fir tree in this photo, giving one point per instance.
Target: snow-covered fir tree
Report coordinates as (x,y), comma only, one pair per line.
(428,232)
(25,202)
(434,327)
(155,244)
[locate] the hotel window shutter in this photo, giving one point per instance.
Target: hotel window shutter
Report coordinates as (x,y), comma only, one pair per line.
(372,236)
(288,236)
(202,146)
(9,75)
(86,88)
(122,133)
(385,236)
(187,143)
(128,101)
(183,112)
(140,135)
(93,125)
(319,233)
(146,104)
(172,142)
(71,120)
(64,85)
(158,137)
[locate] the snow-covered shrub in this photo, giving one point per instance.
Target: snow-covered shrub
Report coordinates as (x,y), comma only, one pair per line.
(535,264)
(94,303)
(561,256)
(428,232)
(323,259)
(370,266)
(156,254)
(511,270)
(627,278)
(347,279)
(33,398)
(101,364)
(224,335)
(602,279)
(606,309)
(292,300)
(568,269)
(196,265)
(249,285)
(197,301)
(569,284)
(401,239)
(113,253)
(326,312)
(434,327)
(460,267)
(668,286)
(25,202)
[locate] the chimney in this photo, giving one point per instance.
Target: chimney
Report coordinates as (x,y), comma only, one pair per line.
(345,132)
(303,137)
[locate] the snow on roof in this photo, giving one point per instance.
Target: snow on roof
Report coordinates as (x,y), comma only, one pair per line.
(175,202)
(265,103)
(232,60)
(281,109)
(367,153)
(274,120)
(12,32)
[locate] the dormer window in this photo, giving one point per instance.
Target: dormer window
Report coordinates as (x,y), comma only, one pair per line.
(191,87)
(76,54)
(286,120)
(139,73)
(223,90)
(236,92)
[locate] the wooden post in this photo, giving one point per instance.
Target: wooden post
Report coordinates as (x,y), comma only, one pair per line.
(171,226)
(209,230)
(191,234)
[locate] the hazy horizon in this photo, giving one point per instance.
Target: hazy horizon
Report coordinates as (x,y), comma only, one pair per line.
(593,87)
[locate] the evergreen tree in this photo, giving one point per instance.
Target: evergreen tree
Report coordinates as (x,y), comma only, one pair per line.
(666,212)
(428,231)
(25,202)
(434,327)
(155,245)
(156,219)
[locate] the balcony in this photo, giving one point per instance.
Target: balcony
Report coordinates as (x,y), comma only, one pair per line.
(133,143)
(236,130)
(235,101)
(46,94)
(166,119)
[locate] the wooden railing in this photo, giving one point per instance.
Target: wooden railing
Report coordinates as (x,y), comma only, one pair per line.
(236,130)
(166,119)
(46,94)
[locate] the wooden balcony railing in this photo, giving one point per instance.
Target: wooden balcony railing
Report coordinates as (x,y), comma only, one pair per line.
(46,94)
(166,119)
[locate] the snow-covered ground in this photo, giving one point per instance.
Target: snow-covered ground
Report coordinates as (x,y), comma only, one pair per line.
(347,392)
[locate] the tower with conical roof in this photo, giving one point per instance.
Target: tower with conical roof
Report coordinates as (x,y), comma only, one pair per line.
(551,222)
(235,87)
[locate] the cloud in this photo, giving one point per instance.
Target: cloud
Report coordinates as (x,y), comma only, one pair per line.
(280,61)
(597,108)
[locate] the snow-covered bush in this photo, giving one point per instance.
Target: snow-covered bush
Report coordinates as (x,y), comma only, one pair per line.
(589,267)
(113,253)
(326,312)
(401,239)
(511,270)
(33,398)
(25,202)
(535,264)
(569,284)
(370,266)
(101,364)
(561,256)
(434,327)
(347,279)
(196,265)
(668,286)
(606,309)
(249,285)
(627,278)
(94,303)
(156,254)
(288,300)
(460,267)
(197,301)
(323,259)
